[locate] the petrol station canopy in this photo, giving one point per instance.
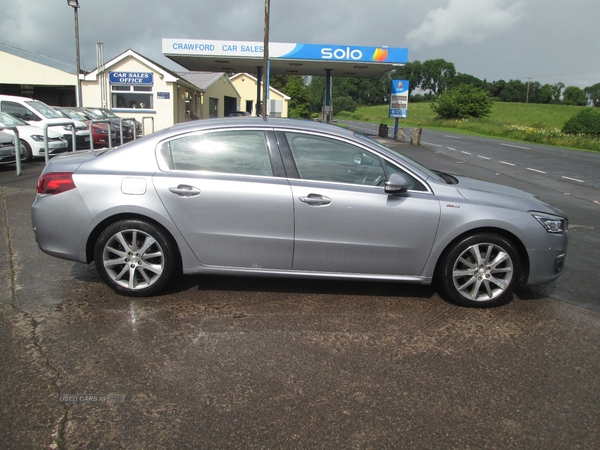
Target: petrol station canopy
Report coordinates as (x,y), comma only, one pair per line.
(284,58)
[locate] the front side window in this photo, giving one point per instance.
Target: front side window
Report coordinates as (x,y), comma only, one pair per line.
(243,152)
(325,159)
(44,110)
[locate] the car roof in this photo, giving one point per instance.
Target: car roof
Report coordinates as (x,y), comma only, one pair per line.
(258,122)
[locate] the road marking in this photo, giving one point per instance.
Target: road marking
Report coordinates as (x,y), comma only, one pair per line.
(535,170)
(466,153)
(515,146)
(434,145)
(483,157)
(507,163)
(573,179)
(451,137)
(450,148)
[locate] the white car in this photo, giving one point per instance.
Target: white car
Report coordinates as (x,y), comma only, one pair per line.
(39,114)
(32,137)
(7,148)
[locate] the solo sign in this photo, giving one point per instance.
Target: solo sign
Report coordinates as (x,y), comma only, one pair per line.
(399,99)
(131,77)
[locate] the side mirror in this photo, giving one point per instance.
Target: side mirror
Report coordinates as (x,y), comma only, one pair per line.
(396,185)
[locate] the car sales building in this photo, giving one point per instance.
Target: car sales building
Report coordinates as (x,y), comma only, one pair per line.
(131,85)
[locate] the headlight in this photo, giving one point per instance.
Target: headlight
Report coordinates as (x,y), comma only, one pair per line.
(37,137)
(67,127)
(101,130)
(552,224)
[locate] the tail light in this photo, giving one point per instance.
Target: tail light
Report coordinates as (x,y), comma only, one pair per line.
(55,183)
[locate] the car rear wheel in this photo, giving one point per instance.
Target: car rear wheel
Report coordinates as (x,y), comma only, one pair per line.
(480,271)
(135,258)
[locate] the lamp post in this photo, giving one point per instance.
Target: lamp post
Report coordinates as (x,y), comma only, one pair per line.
(75,5)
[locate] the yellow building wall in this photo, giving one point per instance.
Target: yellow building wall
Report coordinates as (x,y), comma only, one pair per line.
(16,70)
(246,86)
(219,89)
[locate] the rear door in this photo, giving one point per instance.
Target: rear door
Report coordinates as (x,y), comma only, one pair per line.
(228,198)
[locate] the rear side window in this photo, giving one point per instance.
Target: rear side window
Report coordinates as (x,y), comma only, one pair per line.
(243,152)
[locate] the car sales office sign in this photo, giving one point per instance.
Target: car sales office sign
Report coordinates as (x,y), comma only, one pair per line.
(131,78)
(399,99)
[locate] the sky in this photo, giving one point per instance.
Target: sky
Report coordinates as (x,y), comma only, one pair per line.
(548,41)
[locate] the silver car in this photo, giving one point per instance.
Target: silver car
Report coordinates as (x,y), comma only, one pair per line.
(290,198)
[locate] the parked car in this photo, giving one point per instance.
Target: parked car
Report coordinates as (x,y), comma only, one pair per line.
(39,114)
(291,198)
(129,125)
(32,137)
(7,148)
(100,131)
(238,114)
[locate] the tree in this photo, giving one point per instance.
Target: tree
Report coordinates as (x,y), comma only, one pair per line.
(437,75)
(557,90)
(278,81)
(514,91)
(540,94)
(574,96)
(316,93)
(462,102)
(465,78)
(299,105)
(413,72)
(593,94)
(495,88)
(343,104)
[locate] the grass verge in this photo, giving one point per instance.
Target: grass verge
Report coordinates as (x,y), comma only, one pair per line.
(540,124)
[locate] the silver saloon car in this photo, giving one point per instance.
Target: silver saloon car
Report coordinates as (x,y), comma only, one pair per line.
(290,198)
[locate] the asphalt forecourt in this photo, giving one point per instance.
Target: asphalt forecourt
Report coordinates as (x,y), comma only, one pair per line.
(219,362)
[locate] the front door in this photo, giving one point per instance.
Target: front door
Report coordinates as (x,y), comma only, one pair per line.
(344,220)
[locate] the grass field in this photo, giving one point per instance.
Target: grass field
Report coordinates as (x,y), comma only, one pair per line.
(517,121)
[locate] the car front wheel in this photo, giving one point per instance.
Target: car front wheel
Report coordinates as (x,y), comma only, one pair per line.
(28,153)
(481,271)
(135,258)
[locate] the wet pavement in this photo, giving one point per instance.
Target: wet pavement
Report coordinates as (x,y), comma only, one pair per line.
(218,362)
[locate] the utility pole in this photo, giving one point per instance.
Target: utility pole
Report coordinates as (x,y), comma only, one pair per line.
(266,61)
(528,81)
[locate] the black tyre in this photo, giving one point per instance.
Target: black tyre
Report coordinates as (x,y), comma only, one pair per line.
(28,153)
(480,271)
(135,258)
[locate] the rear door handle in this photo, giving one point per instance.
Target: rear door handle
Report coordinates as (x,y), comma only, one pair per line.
(184,190)
(316,200)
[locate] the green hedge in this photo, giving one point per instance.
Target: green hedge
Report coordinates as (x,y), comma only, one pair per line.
(586,122)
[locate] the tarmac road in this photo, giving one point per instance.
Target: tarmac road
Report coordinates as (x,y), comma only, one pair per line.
(221,362)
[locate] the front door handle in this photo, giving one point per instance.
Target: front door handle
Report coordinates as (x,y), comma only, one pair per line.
(184,190)
(316,200)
